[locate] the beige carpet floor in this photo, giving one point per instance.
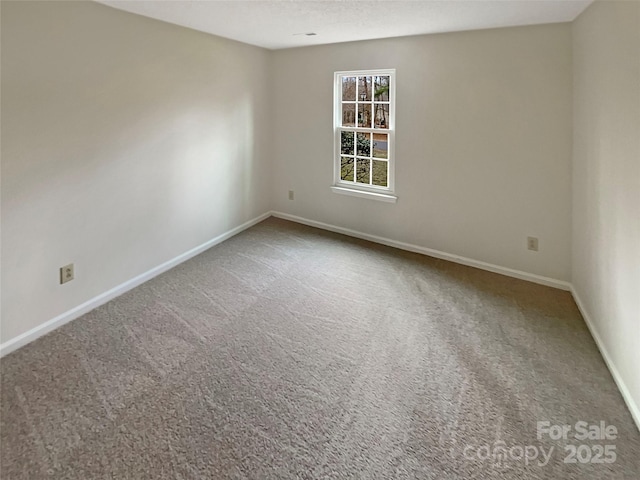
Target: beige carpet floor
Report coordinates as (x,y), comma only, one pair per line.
(289,352)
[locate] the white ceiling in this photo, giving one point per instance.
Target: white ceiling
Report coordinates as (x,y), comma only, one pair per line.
(278,24)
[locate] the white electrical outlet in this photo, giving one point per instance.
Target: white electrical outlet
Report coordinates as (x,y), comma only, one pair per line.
(532,243)
(290,194)
(66,273)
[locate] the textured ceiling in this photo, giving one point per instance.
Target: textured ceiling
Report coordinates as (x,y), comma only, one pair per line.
(282,23)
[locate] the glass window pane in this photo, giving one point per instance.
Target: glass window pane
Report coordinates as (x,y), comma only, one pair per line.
(380,173)
(364,89)
(346,169)
(381,115)
(362,170)
(348,115)
(346,143)
(381,88)
(364,104)
(380,145)
(364,115)
(349,88)
(364,144)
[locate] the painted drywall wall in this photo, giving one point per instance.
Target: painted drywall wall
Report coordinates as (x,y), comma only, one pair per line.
(606,183)
(125,142)
(483,143)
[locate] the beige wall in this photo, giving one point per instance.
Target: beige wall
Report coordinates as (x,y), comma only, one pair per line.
(606,182)
(483,142)
(125,142)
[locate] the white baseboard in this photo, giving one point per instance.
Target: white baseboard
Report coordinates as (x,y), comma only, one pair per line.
(50,325)
(551,282)
(622,387)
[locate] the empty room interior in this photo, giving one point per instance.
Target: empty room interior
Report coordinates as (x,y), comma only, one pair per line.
(320,239)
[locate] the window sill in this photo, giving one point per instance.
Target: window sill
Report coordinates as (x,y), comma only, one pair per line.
(382,197)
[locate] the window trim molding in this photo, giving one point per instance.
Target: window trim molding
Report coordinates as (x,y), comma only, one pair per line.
(383,197)
(386,194)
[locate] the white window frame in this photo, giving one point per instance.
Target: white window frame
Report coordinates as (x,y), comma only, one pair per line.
(375,192)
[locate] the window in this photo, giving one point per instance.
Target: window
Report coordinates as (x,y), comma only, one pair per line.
(364,128)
